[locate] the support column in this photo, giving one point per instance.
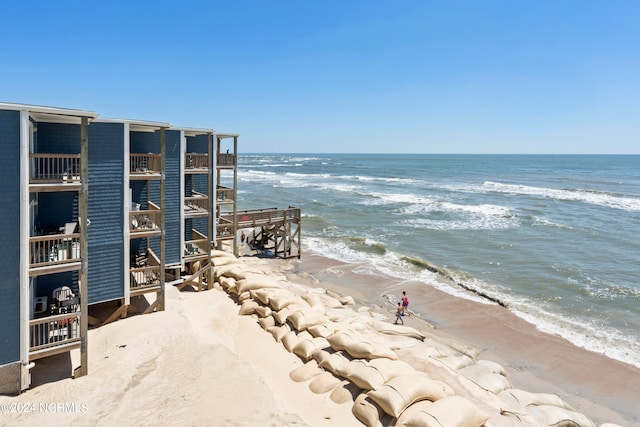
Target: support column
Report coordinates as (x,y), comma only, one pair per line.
(84,224)
(211,191)
(235,195)
(25,297)
(162,226)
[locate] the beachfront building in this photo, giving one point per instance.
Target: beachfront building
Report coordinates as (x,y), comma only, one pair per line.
(209,200)
(226,180)
(197,206)
(98,212)
(127,201)
(43,279)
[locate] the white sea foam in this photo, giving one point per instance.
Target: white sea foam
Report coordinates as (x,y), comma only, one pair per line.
(582,332)
(586,196)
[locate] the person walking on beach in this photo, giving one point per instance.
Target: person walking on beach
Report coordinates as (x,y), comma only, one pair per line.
(405,303)
(399,314)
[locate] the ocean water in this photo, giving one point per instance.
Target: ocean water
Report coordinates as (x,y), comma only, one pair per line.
(555,238)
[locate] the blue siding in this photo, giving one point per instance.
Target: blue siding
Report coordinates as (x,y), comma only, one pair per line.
(173,252)
(105,205)
(58,138)
(198,144)
(197,182)
(9,253)
(56,209)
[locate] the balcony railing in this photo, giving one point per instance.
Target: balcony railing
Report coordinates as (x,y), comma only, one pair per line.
(146,221)
(54,168)
(148,163)
(54,249)
(197,248)
(196,161)
(57,330)
(226,159)
(224,194)
(196,205)
(145,273)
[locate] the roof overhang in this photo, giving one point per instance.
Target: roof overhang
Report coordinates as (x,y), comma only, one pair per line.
(222,135)
(138,125)
(194,131)
(41,113)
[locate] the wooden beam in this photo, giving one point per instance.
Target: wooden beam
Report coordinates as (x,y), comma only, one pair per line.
(115,314)
(84,246)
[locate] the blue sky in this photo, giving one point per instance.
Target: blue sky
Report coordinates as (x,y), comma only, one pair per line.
(342,76)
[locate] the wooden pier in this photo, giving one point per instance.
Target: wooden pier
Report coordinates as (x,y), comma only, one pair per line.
(272,230)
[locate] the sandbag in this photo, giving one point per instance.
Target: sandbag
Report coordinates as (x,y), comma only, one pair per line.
(305,372)
(266,322)
(377,372)
(526,398)
(290,340)
(453,411)
(256,282)
(278,332)
(367,411)
(399,392)
(323,383)
(301,320)
(263,311)
(365,349)
(554,416)
(305,348)
(333,362)
(248,307)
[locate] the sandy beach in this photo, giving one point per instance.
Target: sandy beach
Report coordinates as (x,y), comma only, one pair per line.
(202,363)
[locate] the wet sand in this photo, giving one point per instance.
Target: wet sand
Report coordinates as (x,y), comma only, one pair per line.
(602,388)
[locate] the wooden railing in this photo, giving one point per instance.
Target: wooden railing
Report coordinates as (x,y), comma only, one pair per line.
(54,249)
(196,161)
(56,330)
(224,194)
(147,276)
(196,204)
(200,247)
(226,159)
(47,167)
(145,221)
(144,163)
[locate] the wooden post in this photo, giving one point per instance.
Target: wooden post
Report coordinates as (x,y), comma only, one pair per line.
(84,224)
(162,226)
(235,195)
(211,191)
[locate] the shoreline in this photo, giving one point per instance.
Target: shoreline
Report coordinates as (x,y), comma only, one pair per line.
(602,388)
(203,362)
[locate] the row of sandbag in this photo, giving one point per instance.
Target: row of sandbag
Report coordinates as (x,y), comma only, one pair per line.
(345,353)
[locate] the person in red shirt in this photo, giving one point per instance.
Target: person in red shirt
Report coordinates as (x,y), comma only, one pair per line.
(405,303)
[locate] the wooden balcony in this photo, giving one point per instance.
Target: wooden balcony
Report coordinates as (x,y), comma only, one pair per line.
(145,166)
(54,253)
(196,163)
(196,206)
(199,162)
(198,248)
(224,228)
(226,161)
(54,172)
(145,223)
(145,274)
(225,195)
(55,333)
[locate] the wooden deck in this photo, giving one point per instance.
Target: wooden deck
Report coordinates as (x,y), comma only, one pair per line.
(275,231)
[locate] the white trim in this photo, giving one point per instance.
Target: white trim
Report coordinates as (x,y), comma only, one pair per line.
(183,153)
(25,222)
(47,110)
(126,206)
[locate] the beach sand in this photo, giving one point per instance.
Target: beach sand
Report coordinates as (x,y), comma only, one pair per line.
(201,363)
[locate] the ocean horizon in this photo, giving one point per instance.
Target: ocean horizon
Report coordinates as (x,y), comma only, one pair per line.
(551,237)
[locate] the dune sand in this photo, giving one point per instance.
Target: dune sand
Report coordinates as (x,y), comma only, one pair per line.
(201,363)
